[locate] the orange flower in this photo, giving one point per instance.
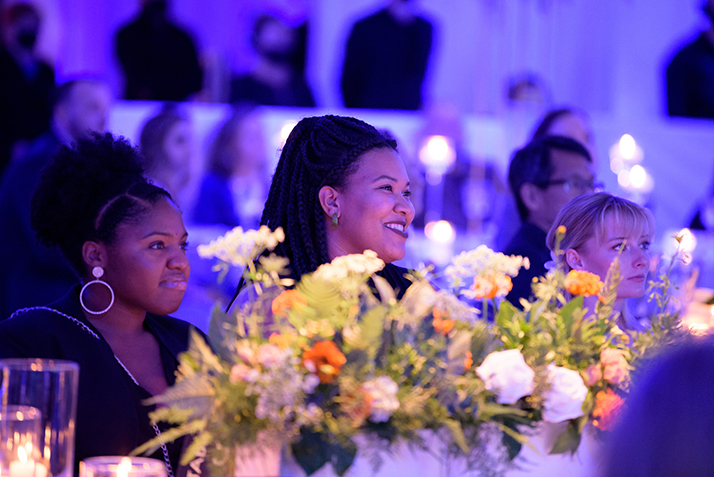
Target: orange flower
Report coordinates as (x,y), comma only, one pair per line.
(325,360)
(607,408)
(492,285)
(562,229)
(469,361)
(281,341)
(580,282)
(440,325)
(286,300)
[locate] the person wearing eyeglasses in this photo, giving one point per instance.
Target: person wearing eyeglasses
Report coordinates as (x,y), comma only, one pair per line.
(544,175)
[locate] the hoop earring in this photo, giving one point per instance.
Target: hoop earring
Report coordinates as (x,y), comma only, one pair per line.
(335,219)
(97,272)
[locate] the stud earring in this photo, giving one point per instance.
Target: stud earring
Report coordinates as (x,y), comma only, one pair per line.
(97,272)
(335,219)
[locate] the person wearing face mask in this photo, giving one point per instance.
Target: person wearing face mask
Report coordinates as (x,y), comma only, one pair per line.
(159,59)
(34,274)
(26,82)
(599,228)
(274,80)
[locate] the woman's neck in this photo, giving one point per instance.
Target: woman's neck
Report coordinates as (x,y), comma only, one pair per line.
(119,321)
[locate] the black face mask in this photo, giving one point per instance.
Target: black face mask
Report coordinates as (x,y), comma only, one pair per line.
(27,39)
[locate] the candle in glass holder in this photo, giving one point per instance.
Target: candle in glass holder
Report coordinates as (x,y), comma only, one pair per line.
(20,429)
(121,466)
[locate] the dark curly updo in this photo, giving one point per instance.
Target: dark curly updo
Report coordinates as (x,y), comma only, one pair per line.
(87,191)
(319,151)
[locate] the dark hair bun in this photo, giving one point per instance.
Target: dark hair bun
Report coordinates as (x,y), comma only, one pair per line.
(79,186)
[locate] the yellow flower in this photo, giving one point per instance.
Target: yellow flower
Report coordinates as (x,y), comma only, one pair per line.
(286,300)
(281,341)
(440,325)
(562,229)
(607,408)
(580,282)
(325,360)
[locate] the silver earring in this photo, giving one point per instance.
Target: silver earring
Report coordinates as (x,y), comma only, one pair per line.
(335,219)
(97,272)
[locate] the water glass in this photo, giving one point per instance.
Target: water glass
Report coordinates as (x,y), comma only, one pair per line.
(20,445)
(51,387)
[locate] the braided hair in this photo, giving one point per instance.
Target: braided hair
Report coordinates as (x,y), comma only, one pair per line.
(320,151)
(87,191)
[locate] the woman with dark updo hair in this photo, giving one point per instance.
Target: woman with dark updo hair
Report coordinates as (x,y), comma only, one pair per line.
(339,188)
(126,240)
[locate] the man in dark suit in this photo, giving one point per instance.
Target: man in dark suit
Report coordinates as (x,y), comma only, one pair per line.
(35,274)
(544,175)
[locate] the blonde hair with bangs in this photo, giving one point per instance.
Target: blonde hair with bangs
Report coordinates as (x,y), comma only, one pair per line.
(585,217)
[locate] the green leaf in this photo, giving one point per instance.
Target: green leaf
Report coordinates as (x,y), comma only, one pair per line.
(342,457)
(568,440)
(458,434)
(311,451)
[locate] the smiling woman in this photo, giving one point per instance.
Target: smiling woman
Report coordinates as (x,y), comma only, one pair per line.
(126,240)
(599,228)
(340,188)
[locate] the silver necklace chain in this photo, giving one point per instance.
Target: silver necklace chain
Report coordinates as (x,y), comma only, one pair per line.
(86,328)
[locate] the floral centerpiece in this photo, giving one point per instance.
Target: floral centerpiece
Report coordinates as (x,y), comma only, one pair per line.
(314,365)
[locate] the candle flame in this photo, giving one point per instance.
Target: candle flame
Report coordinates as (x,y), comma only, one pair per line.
(22,454)
(124,467)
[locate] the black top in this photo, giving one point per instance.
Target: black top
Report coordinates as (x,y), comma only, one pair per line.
(385,63)
(529,242)
(33,273)
(159,63)
(296,93)
(25,103)
(690,80)
(111,419)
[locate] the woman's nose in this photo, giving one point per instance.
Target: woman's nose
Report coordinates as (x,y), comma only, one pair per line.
(404,206)
(641,258)
(179,261)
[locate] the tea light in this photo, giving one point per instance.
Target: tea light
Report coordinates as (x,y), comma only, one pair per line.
(121,466)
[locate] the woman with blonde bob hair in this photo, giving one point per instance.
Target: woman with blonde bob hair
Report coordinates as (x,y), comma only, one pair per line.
(599,228)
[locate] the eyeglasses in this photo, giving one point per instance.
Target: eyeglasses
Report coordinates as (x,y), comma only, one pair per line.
(576,183)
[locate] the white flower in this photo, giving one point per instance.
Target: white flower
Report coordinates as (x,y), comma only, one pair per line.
(565,398)
(238,248)
(341,267)
(482,261)
(507,374)
(310,382)
(383,392)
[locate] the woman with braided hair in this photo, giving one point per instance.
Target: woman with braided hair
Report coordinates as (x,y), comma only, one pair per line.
(126,240)
(340,188)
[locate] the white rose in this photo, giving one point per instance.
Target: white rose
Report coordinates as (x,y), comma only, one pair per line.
(507,374)
(565,398)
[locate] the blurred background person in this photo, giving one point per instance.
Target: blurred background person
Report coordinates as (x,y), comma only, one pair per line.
(34,274)
(543,175)
(386,59)
(277,78)
(166,142)
(565,121)
(667,425)
(690,74)
(235,183)
(26,82)
(158,57)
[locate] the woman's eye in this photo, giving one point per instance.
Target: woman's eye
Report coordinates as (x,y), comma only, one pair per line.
(645,245)
(184,246)
(387,188)
(157,245)
(407,193)
(619,247)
